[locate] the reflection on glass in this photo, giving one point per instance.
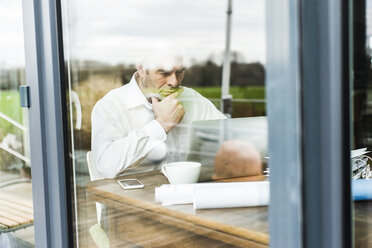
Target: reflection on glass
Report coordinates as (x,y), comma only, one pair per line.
(145,84)
(362,118)
(16,208)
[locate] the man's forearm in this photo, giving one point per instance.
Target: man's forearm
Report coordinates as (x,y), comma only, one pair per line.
(115,155)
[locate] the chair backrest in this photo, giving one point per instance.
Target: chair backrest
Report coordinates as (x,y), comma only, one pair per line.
(93,173)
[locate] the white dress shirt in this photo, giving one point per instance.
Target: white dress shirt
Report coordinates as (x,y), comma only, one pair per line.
(124,130)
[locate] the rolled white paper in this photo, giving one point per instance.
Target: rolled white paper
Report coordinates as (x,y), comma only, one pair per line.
(230,195)
(215,195)
(169,194)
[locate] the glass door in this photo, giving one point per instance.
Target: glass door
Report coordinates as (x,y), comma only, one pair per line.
(154,83)
(16,206)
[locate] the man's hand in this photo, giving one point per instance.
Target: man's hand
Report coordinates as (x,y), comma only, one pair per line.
(169,112)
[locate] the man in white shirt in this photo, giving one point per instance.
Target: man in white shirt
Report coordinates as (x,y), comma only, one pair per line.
(133,120)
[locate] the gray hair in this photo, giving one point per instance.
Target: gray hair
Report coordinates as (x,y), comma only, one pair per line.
(162,55)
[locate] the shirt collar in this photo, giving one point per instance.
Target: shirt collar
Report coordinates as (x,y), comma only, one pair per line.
(134,95)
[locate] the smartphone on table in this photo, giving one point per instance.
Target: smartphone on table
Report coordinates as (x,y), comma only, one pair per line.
(133,183)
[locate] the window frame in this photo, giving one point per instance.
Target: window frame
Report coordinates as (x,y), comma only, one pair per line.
(47,121)
(326,81)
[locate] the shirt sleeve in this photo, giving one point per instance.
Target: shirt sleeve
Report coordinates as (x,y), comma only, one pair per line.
(207,110)
(198,107)
(211,112)
(114,147)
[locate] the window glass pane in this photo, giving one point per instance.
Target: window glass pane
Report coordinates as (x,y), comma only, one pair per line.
(362,120)
(16,211)
(148,82)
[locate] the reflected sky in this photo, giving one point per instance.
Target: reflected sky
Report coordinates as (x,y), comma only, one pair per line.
(117,31)
(11,34)
(120,31)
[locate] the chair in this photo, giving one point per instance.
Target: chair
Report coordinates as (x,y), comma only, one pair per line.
(96,231)
(94,175)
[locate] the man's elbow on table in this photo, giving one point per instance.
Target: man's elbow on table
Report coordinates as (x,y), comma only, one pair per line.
(106,173)
(107,168)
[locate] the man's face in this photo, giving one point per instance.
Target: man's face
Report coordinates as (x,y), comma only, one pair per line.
(162,81)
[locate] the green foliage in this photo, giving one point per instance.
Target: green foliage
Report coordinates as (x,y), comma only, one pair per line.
(12,78)
(209,74)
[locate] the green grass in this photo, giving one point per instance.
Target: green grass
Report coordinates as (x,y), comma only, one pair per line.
(9,103)
(10,106)
(239,109)
(257,92)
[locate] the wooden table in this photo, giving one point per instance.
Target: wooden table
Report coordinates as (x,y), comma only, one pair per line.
(135,218)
